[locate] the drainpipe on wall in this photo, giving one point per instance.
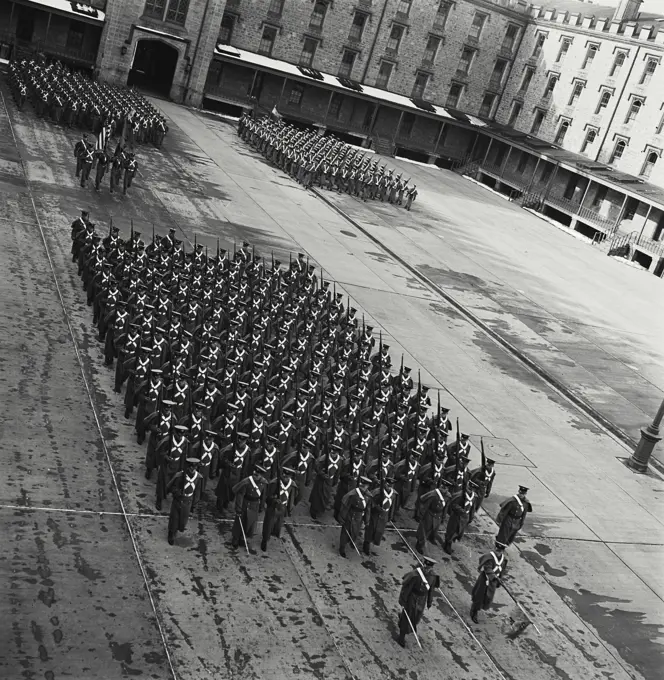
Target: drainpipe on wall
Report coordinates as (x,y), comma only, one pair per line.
(615,108)
(193,60)
(373,43)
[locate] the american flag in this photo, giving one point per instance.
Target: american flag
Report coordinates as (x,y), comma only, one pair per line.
(102,138)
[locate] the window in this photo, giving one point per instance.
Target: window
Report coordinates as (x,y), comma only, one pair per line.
(75,35)
(433,43)
(648,71)
(466,61)
(394,40)
(421,82)
(660,127)
(618,151)
(539,44)
(267,40)
(155,9)
(357,27)
(384,74)
(562,131)
(564,48)
(551,84)
(498,74)
(318,15)
(308,52)
(347,63)
(577,89)
(442,14)
(477,25)
(335,105)
(600,196)
(537,122)
(226,30)
(604,100)
(523,162)
(527,78)
(486,109)
(514,113)
(177,11)
(404,7)
(589,140)
(407,123)
(617,64)
(454,96)
(276,7)
(590,55)
(295,96)
(648,166)
(511,35)
(634,109)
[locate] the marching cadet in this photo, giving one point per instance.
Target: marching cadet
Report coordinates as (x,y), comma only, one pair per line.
(460,509)
(86,157)
(248,494)
(353,514)
(80,146)
(382,501)
(512,515)
(302,462)
(432,510)
(159,424)
(491,566)
(483,477)
(351,470)
(130,167)
(183,485)
(417,591)
(102,160)
(327,477)
(172,451)
(280,500)
(411,195)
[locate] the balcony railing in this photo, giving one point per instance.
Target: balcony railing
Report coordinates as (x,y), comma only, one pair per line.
(563,203)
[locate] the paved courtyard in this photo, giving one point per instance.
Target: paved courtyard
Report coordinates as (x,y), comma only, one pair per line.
(90,587)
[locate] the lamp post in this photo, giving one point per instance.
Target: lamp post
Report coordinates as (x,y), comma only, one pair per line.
(649,437)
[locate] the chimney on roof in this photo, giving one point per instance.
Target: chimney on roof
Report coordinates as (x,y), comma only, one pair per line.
(627,10)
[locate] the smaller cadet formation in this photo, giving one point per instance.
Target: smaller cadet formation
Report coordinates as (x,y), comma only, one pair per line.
(325,162)
(254,387)
(121,165)
(72,99)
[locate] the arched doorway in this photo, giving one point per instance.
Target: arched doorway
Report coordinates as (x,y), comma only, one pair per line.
(154,66)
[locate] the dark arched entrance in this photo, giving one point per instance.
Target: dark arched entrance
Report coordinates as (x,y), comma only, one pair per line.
(154,66)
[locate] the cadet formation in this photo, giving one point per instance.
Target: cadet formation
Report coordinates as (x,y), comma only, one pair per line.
(99,111)
(325,162)
(72,99)
(253,385)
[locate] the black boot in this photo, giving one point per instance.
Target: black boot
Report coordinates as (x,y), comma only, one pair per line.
(171,539)
(473,614)
(263,545)
(366,548)
(148,472)
(447,547)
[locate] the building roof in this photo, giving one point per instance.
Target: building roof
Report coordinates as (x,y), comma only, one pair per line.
(79,10)
(333,82)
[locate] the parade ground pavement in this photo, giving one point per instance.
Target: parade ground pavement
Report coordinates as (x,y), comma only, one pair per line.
(90,588)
